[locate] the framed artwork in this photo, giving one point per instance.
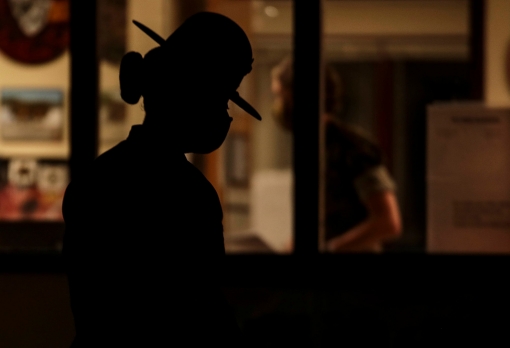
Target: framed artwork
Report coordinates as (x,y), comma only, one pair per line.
(112,117)
(32,190)
(111,15)
(34,31)
(32,115)
(236,160)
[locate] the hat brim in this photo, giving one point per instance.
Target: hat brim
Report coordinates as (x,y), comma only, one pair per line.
(243,104)
(235,98)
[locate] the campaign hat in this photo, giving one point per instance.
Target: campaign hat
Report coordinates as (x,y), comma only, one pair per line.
(215,41)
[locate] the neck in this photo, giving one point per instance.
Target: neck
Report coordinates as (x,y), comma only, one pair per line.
(162,136)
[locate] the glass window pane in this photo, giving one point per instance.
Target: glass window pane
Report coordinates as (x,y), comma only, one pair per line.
(385,63)
(258,209)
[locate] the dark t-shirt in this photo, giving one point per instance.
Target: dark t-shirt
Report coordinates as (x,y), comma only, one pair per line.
(143,249)
(355,170)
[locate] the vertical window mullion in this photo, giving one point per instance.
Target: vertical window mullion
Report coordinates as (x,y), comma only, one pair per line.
(84,85)
(306,117)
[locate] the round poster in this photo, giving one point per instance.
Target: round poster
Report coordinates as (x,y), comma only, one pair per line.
(34,31)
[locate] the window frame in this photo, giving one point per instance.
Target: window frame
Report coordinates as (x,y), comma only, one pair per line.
(307,38)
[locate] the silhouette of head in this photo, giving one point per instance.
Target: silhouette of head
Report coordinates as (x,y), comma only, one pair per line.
(187,81)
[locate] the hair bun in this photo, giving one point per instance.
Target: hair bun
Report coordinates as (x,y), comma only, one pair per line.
(130,77)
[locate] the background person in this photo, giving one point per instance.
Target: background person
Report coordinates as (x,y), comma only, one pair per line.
(361,207)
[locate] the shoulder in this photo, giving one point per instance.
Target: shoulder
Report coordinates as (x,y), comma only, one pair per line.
(375,179)
(88,180)
(353,147)
(200,185)
(113,159)
(350,137)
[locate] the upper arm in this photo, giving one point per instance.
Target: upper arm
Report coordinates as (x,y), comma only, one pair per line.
(383,208)
(376,189)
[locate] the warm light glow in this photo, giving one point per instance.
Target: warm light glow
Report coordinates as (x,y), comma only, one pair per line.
(271,11)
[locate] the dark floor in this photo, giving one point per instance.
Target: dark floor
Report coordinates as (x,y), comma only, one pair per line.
(327,318)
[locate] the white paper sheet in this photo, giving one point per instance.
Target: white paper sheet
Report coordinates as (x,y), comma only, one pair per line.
(468,179)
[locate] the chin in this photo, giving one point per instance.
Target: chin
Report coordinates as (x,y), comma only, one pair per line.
(202,151)
(208,138)
(205,146)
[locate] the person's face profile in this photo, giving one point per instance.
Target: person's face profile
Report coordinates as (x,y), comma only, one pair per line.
(209,134)
(207,121)
(282,105)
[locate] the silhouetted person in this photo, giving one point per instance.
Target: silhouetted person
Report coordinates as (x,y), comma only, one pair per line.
(144,235)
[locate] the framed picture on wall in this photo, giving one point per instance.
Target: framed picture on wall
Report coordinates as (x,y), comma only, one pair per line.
(112,24)
(34,32)
(112,117)
(31,194)
(32,189)
(31,114)
(236,160)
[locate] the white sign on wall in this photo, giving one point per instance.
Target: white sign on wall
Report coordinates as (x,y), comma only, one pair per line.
(468,179)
